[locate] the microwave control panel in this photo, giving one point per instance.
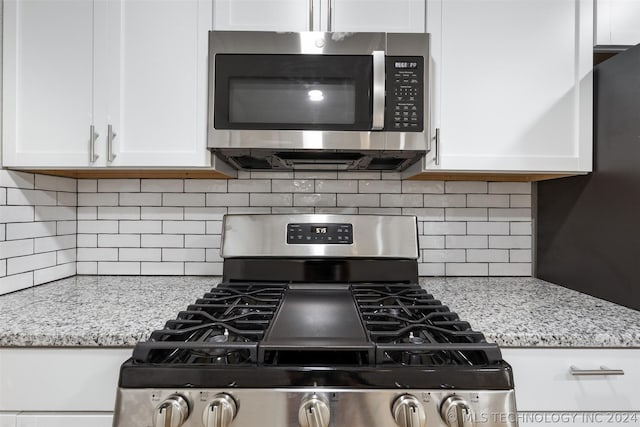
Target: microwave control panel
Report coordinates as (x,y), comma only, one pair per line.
(310,234)
(404,94)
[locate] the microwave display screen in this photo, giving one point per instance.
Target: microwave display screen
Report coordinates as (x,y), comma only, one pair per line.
(292,100)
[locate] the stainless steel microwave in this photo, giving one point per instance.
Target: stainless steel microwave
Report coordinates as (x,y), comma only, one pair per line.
(315,100)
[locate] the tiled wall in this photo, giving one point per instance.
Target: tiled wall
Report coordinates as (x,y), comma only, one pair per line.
(37,229)
(151,226)
(172,226)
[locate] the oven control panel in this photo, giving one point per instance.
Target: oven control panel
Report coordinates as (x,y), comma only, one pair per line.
(320,233)
(404,94)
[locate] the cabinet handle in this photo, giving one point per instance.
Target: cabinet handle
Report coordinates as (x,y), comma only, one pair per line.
(110,135)
(378,89)
(330,17)
(437,144)
(310,15)
(602,371)
(92,144)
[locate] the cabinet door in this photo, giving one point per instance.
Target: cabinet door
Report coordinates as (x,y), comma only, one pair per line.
(617,22)
(64,420)
(47,83)
(513,88)
(264,15)
(394,16)
(156,82)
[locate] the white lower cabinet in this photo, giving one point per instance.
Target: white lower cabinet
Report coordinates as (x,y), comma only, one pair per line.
(8,419)
(63,420)
(548,393)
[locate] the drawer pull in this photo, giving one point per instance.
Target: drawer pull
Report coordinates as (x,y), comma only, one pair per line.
(602,371)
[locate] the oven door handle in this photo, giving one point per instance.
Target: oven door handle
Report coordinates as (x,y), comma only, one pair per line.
(379,80)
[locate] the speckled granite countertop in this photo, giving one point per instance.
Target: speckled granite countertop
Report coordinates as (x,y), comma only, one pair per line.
(117,311)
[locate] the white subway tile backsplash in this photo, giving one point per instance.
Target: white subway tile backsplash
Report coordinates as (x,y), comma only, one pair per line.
(67,199)
(378,186)
(26,230)
(17,196)
(3,196)
(249,210)
(368,175)
(87,213)
(466,269)
(16,282)
(205,185)
(271,199)
(510,242)
(466,214)
(204,213)
(97,199)
(118,268)
(401,200)
(66,227)
(249,186)
(66,256)
(510,187)
(443,255)
(202,241)
(292,209)
(203,268)
(15,179)
(520,200)
(162,241)
(156,213)
(358,200)
(512,269)
(431,269)
(521,228)
(431,242)
(55,183)
(488,200)
(87,185)
(423,187)
(466,187)
(445,200)
(214,227)
(466,241)
(444,228)
(97,254)
(140,199)
(213,255)
(90,226)
(16,213)
(47,244)
(85,267)
(292,186)
(87,241)
(227,199)
(487,255)
(425,214)
(520,255)
(118,240)
(322,175)
(14,248)
(140,254)
(183,199)
(194,255)
(183,227)
(488,228)
(163,185)
(314,199)
(336,186)
(509,214)
(55,213)
(337,211)
(162,268)
(118,185)
(56,272)
(380,211)
(26,263)
(142,227)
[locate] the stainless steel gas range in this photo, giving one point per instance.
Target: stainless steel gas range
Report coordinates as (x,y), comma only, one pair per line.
(319,321)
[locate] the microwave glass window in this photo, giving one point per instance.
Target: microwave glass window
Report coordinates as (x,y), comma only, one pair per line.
(295,101)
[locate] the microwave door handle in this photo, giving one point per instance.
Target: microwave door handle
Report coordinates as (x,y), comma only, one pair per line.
(378,90)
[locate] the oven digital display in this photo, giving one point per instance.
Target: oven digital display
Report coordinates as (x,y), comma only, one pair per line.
(320,234)
(405,64)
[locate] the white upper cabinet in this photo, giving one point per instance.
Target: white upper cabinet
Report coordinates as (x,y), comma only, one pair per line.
(47,82)
(617,22)
(395,16)
(512,85)
(264,15)
(135,67)
(156,82)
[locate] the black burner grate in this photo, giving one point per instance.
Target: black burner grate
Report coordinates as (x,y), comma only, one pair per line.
(410,327)
(222,328)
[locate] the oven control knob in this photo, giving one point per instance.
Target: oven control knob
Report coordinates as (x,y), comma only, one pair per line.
(314,412)
(173,412)
(220,411)
(455,412)
(408,412)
